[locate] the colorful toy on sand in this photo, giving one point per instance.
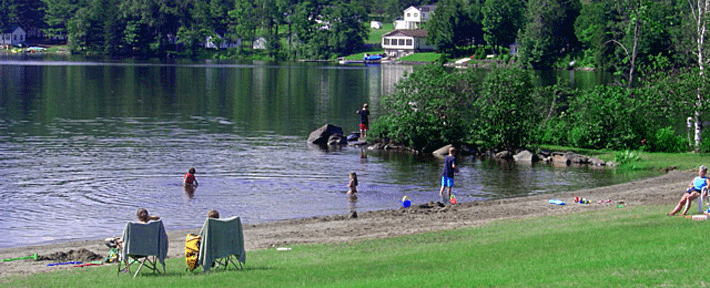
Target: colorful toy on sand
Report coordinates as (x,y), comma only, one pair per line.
(34,257)
(406,202)
(452,199)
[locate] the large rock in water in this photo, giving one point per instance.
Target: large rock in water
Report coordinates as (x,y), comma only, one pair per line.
(320,136)
(526,156)
(443,151)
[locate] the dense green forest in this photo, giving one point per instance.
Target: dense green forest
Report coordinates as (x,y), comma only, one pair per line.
(613,35)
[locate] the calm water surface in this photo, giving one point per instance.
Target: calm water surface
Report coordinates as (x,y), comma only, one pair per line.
(84,144)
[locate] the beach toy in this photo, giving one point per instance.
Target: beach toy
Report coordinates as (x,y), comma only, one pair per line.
(92,263)
(65,263)
(34,256)
(452,199)
(700,217)
(406,202)
(557,202)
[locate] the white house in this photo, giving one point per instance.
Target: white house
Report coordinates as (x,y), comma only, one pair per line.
(403,42)
(220,43)
(376,25)
(414,17)
(13,36)
(259,44)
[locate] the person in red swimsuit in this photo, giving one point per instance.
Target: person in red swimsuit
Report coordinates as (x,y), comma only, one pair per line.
(189,179)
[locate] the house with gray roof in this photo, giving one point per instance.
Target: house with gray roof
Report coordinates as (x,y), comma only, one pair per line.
(402,42)
(13,36)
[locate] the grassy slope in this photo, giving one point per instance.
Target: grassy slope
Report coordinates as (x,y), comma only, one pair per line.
(633,246)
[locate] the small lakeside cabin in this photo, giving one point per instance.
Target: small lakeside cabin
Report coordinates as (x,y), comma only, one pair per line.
(402,42)
(13,37)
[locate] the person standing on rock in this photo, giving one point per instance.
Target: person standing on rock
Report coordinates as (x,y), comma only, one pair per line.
(364,120)
(447,175)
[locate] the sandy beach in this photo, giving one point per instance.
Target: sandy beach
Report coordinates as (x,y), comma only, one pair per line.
(665,190)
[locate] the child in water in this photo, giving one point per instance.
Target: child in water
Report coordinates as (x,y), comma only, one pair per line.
(352,185)
(189,179)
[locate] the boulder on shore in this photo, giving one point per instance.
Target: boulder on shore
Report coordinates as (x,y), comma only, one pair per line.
(321,135)
(443,151)
(526,156)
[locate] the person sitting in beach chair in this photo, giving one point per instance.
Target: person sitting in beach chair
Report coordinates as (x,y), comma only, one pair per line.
(144,243)
(222,242)
(697,188)
(192,245)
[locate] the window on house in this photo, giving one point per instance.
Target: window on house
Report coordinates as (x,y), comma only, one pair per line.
(416,14)
(386,41)
(409,42)
(408,15)
(401,42)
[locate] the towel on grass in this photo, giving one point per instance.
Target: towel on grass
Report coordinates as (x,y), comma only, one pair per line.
(145,239)
(221,238)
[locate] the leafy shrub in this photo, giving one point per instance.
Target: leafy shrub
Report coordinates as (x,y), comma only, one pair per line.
(507,110)
(604,118)
(430,105)
(705,140)
(627,158)
(665,140)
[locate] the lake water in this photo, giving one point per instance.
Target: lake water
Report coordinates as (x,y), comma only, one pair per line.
(84,144)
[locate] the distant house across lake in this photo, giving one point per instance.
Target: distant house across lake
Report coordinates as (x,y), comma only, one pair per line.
(403,42)
(13,36)
(408,37)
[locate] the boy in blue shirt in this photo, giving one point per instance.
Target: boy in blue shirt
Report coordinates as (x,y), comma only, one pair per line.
(447,175)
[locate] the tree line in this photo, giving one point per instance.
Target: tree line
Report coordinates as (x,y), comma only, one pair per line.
(155,28)
(611,35)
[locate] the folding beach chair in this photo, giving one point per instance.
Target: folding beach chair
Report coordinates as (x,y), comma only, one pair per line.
(703,195)
(222,243)
(144,243)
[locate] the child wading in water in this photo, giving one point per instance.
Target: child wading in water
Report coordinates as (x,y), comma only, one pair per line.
(189,179)
(352,185)
(447,175)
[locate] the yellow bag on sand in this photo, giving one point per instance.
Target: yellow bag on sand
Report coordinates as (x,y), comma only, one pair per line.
(192,248)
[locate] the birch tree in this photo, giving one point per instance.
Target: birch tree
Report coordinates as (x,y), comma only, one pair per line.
(699,11)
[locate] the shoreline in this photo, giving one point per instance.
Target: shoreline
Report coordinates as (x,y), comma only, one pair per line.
(661,190)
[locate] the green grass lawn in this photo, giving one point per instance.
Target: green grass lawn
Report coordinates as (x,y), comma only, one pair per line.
(421,57)
(374,36)
(615,247)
